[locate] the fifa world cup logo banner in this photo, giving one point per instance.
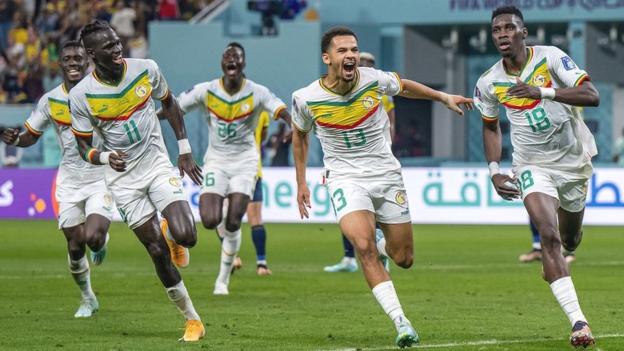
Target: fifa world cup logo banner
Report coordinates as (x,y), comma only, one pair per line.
(27,194)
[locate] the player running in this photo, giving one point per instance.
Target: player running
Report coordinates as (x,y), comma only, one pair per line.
(538,86)
(348,262)
(116,101)
(85,204)
(363,177)
(232,104)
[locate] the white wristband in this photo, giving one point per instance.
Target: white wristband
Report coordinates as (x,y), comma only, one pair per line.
(494,168)
(105,157)
(16,141)
(184,147)
(547,93)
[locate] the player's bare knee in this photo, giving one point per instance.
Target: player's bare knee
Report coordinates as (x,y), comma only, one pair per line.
(405,260)
(210,222)
(366,249)
(96,239)
(233,225)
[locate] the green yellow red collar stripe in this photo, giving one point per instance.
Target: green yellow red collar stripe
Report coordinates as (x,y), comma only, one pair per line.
(529,58)
(216,114)
(210,93)
(236,92)
(327,89)
(89,155)
(119,94)
(348,102)
(123,75)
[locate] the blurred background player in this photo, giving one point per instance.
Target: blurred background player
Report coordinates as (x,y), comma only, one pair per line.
(552,146)
(232,105)
(364,178)
(536,249)
(116,100)
(85,204)
(254,209)
(348,262)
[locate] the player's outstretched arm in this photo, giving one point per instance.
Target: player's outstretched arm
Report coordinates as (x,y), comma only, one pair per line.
(415,90)
(582,95)
(186,163)
(12,136)
(300,153)
(493,145)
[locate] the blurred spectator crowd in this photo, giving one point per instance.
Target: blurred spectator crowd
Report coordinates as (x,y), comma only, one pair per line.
(31,32)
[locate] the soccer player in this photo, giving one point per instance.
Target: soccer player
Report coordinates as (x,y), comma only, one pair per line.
(254,209)
(85,204)
(348,262)
(231,104)
(538,86)
(363,177)
(116,101)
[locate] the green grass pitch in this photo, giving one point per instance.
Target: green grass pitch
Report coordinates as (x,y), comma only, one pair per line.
(465,292)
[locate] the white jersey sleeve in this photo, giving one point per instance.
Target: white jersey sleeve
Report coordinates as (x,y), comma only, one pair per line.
(566,73)
(39,118)
(157,80)
(271,103)
(192,98)
(484,99)
(301,117)
(81,122)
(390,82)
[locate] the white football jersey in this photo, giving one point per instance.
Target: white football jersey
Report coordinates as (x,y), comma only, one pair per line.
(124,114)
(53,108)
(232,119)
(543,132)
(352,128)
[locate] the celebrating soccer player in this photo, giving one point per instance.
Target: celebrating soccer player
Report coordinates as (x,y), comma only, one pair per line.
(232,105)
(363,177)
(116,101)
(85,204)
(538,86)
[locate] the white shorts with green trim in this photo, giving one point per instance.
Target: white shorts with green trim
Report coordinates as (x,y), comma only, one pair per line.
(77,203)
(570,188)
(385,196)
(151,185)
(224,179)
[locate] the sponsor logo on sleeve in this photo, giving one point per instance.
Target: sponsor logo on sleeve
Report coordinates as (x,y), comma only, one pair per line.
(568,64)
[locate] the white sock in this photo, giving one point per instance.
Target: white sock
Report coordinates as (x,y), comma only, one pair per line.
(80,271)
(389,301)
(229,249)
(564,292)
(180,297)
(537,246)
(381,247)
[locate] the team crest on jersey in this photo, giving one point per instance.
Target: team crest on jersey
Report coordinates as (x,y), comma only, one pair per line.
(368,102)
(539,80)
(140,91)
(108,201)
(245,107)
(175,181)
(400,198)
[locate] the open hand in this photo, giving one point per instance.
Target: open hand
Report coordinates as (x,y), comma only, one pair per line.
(456,102)
(303,200)
(187,165)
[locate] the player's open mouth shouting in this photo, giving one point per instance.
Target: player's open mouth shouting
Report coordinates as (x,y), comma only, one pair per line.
(348,69)
(231,69)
